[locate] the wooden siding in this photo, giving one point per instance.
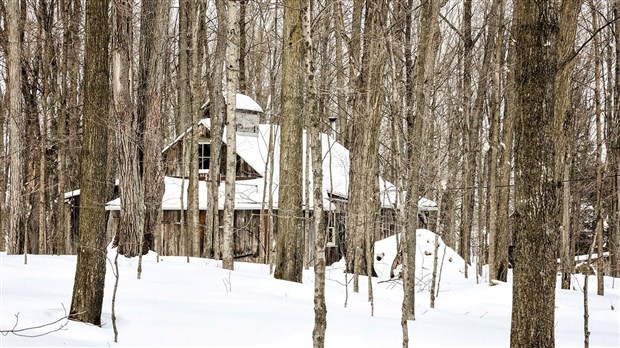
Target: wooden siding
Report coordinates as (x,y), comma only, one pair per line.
(174,162)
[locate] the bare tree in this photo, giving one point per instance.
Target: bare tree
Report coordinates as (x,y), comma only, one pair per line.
(153,20)
(87,299)
(289,248)
(130,181)
(314,138)
(217,114)
(232,76)
(600,290)
(16,125)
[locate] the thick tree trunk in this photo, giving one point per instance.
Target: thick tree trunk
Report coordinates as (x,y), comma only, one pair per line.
(538,166)
(364,204)
(495,249)
(232,75)
(16,125)
(562,109)
(88,288)
(149,107)
(289,248)
(131,223)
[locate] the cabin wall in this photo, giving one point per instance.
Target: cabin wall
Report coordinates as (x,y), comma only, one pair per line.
(174,162)
(249,244)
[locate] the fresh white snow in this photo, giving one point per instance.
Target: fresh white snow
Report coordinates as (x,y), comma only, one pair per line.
(200,304)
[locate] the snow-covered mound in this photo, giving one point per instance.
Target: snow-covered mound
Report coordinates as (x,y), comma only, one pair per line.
(386,250)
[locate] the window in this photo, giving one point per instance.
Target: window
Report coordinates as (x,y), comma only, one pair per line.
(204,155)
(331,237)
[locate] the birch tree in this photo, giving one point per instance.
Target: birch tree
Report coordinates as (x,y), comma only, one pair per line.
(232,75)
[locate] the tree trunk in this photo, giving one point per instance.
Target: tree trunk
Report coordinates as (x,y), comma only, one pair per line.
(600,289)
(16,125)
(538,167)
(466,206)
(242,46)
(3,213)
(503,218)
(232,75)
(132,211)
(495,250)
(184,99)
(88,288)
(217,113)
(615,154)
(314,139)
(149,107)
(289,248)
(563,109)
(364,205)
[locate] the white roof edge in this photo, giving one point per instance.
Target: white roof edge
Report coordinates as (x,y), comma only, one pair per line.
(242,102)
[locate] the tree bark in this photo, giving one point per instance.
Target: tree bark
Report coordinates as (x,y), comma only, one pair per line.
(131,224)
(562,109)
(615,152)
(217,113)
(314,139)
(495,249)
(88,288)
(600,289)
(242,46)
(466,205)
(16,125)
(289,248)
(539,168)
(154,15)
(232,75)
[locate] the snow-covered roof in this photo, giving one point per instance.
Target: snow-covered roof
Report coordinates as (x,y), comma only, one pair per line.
(242,102)
(248,195)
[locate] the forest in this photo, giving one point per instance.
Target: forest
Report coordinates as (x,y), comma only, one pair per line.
(505,114)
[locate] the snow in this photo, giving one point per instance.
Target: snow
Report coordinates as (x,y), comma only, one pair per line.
(200,304)
(248,195)
(243,102)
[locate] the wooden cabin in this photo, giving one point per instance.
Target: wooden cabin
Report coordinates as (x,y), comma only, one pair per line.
(253,185)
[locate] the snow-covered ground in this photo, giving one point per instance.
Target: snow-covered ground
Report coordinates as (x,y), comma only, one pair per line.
(200,304)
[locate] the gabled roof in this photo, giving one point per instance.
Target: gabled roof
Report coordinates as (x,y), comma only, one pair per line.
(242,102)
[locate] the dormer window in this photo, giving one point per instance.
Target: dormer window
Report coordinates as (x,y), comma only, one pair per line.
(204,155)
(247,122)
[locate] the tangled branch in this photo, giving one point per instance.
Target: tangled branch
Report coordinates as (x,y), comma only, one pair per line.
(23,332)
